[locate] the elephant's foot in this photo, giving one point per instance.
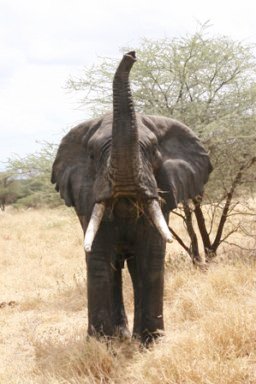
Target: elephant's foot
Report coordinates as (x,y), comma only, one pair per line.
(122,332)
(147,337)
(99,332)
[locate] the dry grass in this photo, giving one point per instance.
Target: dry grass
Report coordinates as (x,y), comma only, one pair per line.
(210,317)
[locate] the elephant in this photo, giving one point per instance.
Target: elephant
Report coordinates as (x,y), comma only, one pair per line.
(123,173)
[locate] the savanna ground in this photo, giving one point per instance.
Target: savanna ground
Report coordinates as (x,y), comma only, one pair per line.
(210,317)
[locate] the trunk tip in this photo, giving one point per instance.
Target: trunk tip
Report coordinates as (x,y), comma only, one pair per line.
(132,55)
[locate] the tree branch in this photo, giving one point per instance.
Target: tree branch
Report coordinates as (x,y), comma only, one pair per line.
(180,241)
(194,243)
(201,224)
(225,211)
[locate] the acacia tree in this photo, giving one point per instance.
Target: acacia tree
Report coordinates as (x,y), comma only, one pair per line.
(10,189)
(209,84)
(34,173)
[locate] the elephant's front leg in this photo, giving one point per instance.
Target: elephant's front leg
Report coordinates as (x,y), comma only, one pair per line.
(106,311)
(147,272)
(100,316)
(152,322)
(100,285)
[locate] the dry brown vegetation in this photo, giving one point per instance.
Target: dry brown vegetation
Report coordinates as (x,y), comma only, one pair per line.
(210,317)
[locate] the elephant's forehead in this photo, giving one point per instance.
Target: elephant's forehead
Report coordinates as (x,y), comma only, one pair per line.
(145,134)
(104,132)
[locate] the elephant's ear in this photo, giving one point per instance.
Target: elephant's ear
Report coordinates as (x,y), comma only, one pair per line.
(70,170)
(185,166)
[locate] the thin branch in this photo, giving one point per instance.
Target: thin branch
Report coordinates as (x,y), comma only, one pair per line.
(178,214)
(239,246)
(228,202)
(234,230)
(180,241)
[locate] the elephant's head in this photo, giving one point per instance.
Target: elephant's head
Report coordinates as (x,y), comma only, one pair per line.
(126,159)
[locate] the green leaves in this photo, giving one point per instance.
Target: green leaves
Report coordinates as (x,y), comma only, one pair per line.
(31,177)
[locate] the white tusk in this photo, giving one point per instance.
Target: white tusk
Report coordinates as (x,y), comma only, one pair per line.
(93,226)
(158,219)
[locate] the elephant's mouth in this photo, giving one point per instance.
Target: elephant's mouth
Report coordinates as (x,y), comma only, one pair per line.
(127,208)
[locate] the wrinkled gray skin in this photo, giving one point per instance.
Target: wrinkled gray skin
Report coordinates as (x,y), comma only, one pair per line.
(125,159)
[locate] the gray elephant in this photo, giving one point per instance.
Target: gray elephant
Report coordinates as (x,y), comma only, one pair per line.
(123,173)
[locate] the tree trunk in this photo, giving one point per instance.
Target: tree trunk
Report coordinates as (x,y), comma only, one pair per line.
(194,250)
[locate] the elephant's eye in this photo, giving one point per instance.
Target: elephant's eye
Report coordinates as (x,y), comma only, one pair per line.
(91,156)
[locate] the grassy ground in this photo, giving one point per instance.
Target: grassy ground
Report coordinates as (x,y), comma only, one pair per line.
(210,317)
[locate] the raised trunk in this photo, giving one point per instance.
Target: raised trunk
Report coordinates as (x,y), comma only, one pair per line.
(125,157)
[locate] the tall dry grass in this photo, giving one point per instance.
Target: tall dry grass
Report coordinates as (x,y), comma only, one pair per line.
(210,317)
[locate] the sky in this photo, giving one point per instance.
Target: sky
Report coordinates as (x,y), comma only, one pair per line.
(44,42)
